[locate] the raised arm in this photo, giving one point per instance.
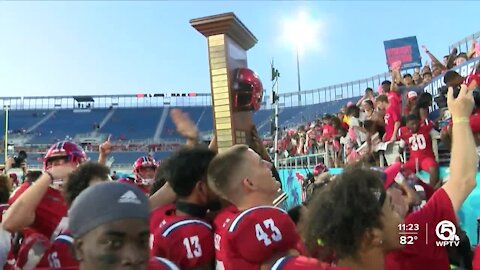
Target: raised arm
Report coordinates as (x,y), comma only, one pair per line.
(185,126)
(471,52)
(104,150)
(22,212)
(435,61)
(464,159)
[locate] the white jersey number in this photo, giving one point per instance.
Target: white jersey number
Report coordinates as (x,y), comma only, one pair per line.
(192,245)
(417,142)
(276,235)
(53,261)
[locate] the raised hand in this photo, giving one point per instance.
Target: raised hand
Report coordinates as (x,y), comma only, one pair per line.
(462,106)
(184,124)
(106,147)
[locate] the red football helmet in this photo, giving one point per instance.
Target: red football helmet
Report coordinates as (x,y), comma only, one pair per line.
(73,152)
(143,162)
(248,89)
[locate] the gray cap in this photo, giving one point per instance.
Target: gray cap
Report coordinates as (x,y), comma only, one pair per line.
(104,203)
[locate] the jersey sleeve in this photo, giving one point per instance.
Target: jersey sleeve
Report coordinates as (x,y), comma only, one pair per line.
(262,233)
(158,263)
(59,255)
(298,263)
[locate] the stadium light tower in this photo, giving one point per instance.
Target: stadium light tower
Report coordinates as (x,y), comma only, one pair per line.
(300,33)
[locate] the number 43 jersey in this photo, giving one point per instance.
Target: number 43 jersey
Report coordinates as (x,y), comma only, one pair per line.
(186,241)
(257,235)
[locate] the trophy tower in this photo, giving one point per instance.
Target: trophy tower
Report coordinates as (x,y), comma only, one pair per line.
(236,90)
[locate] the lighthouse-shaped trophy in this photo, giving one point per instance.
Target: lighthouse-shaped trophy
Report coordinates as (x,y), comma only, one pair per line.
(236,90)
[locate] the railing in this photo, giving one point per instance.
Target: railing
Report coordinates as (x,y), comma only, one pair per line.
(105,101)
(464,41)
(333,92)
(299,162)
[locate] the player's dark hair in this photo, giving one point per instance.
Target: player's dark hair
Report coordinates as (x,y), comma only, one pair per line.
(161,176)
(187,167)
(344,211)
(424,101)
(79,179)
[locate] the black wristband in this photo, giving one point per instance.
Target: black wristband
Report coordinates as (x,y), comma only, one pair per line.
(50,175)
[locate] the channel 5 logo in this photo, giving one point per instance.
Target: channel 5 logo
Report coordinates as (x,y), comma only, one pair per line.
(446,231)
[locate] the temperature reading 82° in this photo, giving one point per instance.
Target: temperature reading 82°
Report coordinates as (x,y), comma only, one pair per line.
(408,239)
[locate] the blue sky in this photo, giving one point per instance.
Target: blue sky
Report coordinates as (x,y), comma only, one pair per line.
(71,48)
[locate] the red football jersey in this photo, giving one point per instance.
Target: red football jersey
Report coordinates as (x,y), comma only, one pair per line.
(395,101)
(220,224)
(391,117)
(420,143)
(256,235)
(158,214)
(186,241)
(158,263)
(476,259)
(302,263)
(59,255)
(32,251)
(51,213)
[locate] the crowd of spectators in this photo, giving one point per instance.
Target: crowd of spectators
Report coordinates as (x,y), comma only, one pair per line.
(358,129)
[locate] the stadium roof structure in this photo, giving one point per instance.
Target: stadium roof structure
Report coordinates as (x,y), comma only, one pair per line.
(84,99)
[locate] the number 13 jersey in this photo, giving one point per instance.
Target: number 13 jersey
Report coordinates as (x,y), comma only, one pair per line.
(184,240)
(257,235)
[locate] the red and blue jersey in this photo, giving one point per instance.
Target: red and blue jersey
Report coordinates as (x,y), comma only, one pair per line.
(184,240)
(258,234)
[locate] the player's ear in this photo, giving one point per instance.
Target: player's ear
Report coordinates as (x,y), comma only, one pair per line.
(248,184)
(371,238)
(77,251)
(202,187)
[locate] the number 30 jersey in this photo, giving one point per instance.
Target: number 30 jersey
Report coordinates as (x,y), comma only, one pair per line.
(186,241)
(258,234)
(420,143)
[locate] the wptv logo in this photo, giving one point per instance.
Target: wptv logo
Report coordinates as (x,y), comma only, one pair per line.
(447,233)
